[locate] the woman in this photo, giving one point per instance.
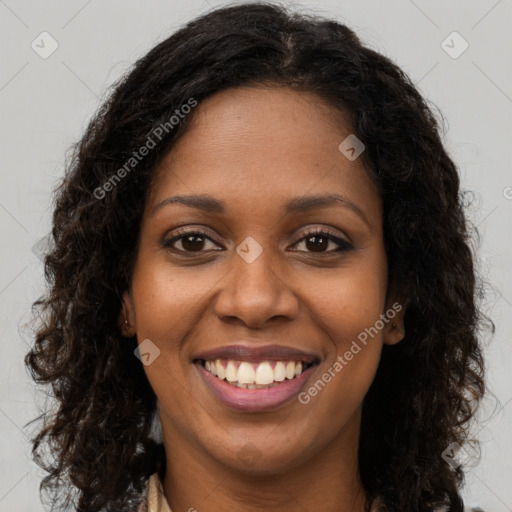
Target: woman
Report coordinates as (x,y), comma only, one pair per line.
(260,246)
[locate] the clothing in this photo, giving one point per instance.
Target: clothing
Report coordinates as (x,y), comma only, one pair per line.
(154,497)
(155,500)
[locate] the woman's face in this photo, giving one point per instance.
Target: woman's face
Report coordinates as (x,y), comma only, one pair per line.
(273,243)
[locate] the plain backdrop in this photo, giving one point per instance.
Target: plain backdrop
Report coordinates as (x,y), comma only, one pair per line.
(47,100)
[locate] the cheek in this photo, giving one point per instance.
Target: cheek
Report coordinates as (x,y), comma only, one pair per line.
(346,302)
(164,302)
(346,307)
(166,298)
(338,389)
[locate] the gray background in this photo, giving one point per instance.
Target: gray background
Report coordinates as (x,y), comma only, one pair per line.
(45,104)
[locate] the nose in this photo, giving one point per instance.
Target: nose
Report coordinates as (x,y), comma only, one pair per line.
(253,293)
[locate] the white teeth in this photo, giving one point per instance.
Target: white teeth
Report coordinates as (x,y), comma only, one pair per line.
(221,372)
(290,370)
(246,374)
(279,371)
(231,372)
(264,373)
(253,375)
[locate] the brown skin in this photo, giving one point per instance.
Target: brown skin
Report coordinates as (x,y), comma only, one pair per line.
(254,149)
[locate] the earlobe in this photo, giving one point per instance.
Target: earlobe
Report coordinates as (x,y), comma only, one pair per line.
(126,318)
(394,332)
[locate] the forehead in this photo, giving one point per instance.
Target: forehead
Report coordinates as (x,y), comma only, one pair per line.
(261,146)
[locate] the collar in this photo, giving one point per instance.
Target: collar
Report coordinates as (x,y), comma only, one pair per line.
(154,497)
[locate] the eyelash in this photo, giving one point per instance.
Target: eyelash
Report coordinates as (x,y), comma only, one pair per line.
(344,246)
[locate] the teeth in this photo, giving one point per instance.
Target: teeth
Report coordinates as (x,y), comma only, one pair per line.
(231,372)
(246,374)
(253,375)
(264,373)
(290,370)
(279,371)
(221,373)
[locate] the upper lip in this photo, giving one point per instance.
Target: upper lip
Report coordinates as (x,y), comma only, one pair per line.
(254,354)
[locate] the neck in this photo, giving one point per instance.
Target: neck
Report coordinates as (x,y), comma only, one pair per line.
(327,480)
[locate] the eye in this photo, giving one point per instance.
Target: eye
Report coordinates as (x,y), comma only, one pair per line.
(197,241)
(190,241)
(323,241)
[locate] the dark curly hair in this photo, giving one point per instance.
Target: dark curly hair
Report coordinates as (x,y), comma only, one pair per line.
(427,387)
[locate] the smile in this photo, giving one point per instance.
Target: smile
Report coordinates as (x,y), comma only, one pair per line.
(254,387)
(248,375)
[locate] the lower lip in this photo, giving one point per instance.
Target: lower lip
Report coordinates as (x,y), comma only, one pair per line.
(255,400)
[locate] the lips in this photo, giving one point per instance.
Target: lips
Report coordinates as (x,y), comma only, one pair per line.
(255,354)
(255,397)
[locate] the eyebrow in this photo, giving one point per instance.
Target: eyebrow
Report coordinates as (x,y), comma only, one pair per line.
(209,204)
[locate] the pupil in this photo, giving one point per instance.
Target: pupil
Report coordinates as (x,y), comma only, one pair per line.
(319,243)
(193,243)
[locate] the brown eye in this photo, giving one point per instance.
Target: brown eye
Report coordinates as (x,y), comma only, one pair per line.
(323,242)
(190,242)
(193,242)
(317,243)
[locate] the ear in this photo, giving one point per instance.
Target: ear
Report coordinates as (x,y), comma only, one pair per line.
(394,330)
(126,318)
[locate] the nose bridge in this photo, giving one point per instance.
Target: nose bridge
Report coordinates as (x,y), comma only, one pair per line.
(254,291)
